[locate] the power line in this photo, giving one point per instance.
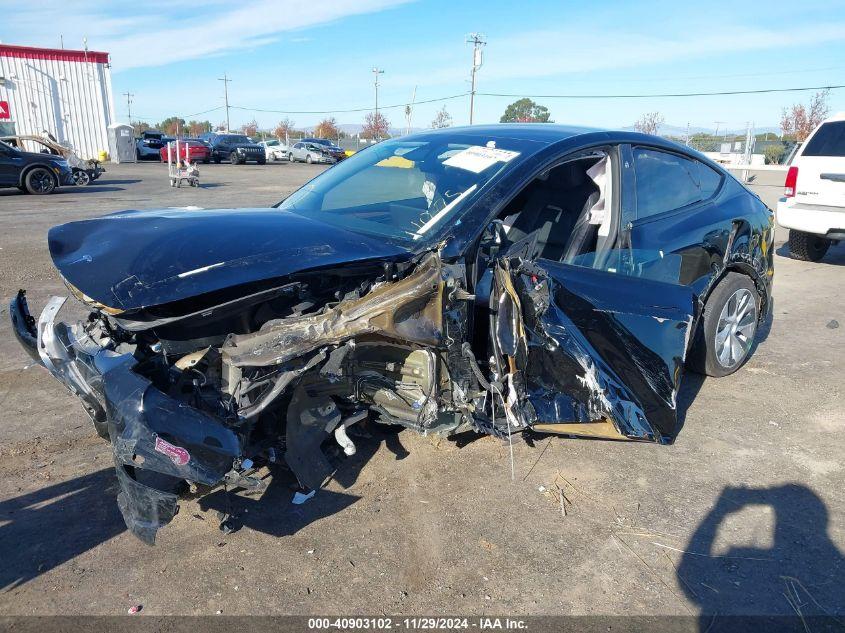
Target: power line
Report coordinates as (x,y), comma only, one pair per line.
(188,116)
(658,95)
(351,110)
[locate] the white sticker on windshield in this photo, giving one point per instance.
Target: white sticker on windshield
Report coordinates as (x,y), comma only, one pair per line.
(476,158)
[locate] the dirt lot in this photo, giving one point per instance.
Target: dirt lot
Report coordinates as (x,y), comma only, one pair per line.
(745,513)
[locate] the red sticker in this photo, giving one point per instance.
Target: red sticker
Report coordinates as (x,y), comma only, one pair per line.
(5,113)
(178,454)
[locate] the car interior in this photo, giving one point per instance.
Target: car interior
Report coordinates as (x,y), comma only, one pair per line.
(568,210)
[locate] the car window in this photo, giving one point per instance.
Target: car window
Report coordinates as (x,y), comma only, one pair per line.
(829,140)
(708,180)
(405,190)
(298,146)
(666,181)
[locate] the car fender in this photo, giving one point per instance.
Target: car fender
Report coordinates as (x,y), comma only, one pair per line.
(29,167)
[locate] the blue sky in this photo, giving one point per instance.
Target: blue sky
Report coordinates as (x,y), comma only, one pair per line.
(318,55)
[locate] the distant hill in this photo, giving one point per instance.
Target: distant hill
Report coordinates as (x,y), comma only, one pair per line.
(681,130)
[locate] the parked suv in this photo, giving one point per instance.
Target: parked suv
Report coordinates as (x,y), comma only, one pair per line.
(33,173)
(235,148)
(813,206)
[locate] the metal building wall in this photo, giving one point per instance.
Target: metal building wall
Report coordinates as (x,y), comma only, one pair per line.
(67,93)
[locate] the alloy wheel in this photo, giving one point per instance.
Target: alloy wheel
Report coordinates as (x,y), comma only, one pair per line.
(736,327)
(41,181)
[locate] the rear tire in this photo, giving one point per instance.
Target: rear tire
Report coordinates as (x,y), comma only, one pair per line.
(729,325)
(216,160)
(807,247)
(40,182)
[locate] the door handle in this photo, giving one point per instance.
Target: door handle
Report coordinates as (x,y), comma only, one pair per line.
(833,177)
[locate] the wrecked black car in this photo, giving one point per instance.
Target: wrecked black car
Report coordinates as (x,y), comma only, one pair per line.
(495,279)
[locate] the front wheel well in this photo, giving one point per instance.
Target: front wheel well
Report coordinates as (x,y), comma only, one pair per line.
(26,170)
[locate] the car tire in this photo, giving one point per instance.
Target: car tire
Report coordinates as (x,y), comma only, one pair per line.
(806,246)
(40,181)
(729,324)
(233,158)
(81,178)
(206,160)
(262,161)
(290,158)
(308,159)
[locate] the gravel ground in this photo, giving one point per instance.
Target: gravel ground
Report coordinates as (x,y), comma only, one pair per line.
(745,513)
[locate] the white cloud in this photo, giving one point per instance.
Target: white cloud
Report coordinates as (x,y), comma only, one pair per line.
(159,37)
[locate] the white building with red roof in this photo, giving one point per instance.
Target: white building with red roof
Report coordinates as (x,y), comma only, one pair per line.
(67,93)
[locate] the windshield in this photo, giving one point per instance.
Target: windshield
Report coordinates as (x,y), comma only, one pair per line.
(404,189)
(234,138)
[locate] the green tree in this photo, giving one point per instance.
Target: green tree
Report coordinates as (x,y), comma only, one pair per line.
(525,111)
(173,126)
(195,128)
(774,153)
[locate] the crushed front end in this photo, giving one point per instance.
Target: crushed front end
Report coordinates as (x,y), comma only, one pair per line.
(202,400)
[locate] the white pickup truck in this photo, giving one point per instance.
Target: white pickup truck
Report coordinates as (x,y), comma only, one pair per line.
(813,206)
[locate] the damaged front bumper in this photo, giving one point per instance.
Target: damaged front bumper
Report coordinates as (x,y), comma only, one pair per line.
(158,442)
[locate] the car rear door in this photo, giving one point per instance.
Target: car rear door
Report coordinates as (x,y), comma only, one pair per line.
(821,167)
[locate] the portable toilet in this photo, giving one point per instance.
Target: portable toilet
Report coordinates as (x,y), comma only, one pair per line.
(122,143)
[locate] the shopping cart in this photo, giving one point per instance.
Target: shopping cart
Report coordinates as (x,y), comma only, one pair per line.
(181,169)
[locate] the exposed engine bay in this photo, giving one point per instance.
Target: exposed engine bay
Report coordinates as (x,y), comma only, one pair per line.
(205,398)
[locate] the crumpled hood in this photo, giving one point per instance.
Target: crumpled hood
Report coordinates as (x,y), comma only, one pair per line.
(135,259)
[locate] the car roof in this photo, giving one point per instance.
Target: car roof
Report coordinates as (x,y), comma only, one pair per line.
(548,132)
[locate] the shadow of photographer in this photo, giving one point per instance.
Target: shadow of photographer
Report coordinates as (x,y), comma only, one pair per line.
(798,583)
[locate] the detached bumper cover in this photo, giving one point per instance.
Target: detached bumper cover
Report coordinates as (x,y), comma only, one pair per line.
(157,442)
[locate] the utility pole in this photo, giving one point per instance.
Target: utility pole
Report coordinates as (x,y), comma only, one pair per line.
(225,79)
(477,40)
(129,96)
(376,72)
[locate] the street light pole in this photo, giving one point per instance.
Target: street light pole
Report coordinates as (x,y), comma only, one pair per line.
(376,72)
(225,79)
(477,40)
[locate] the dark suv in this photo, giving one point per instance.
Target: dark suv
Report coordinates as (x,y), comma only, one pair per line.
(235,148)
(31,172)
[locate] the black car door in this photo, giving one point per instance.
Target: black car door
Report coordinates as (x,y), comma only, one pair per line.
(598,349)
(10,166)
